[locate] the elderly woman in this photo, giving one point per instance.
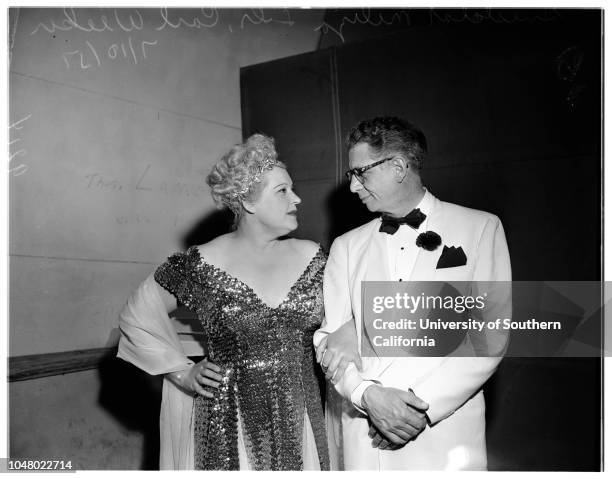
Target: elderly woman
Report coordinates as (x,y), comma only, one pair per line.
(254,403)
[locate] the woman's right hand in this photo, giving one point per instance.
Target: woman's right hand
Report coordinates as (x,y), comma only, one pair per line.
(337,350)
(199,375)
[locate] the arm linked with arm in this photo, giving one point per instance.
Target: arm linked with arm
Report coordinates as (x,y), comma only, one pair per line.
(338,311)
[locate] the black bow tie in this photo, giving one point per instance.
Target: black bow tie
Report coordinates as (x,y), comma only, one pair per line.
(413,219)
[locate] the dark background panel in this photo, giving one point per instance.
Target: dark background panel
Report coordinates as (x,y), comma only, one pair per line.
(543,414)
(481,94)
(549,210)
(293,103)
(314,195)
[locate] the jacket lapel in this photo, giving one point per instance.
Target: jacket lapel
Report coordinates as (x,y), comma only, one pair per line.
(371,264)
(425,265)
(377,259)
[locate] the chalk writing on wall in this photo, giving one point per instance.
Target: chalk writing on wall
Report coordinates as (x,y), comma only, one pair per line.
(145,183)
(92,56)
(133,219)
(12,32)
(127,21)
(131,21)
(94,53)
(96,181)
(495,15)
(365,17)
(402,18)
(16,148)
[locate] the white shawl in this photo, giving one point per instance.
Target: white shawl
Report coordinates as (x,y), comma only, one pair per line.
(150,342)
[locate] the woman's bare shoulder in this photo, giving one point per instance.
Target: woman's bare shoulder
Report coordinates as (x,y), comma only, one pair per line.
(305,248)
(215,248)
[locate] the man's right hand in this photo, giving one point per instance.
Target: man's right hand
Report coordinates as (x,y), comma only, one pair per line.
(398,415)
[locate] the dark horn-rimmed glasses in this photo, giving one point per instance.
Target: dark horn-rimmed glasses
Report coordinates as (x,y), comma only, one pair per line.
(358,172)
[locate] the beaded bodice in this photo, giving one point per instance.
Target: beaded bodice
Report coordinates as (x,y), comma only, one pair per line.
(267,361)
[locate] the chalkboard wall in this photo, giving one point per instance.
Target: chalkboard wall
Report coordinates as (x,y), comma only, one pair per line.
(115,118)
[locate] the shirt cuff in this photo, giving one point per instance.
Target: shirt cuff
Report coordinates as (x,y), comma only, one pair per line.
(357,394)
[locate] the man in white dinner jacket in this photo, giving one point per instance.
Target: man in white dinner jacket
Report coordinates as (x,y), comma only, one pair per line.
(421,413)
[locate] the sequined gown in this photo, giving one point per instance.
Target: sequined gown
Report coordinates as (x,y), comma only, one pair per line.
(269,385)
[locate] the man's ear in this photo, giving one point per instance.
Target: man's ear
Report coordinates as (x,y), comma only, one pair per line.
(401,167)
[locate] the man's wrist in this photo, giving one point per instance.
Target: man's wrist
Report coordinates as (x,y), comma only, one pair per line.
(366,393)
(357,392)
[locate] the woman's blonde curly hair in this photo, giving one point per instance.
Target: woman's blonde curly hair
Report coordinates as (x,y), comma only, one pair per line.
(237,176)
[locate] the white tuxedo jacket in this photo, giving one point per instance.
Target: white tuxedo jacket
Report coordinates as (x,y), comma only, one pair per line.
(452,385)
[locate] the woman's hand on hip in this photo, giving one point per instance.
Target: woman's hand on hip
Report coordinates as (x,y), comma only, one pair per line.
(199,375)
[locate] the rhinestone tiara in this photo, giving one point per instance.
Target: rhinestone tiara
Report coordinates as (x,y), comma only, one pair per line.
(267,164)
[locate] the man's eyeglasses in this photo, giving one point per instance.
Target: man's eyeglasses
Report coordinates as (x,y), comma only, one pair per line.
(358,172)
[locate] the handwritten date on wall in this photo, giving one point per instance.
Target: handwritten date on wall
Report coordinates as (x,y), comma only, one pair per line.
(96,57)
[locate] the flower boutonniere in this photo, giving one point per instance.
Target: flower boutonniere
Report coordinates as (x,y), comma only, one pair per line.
(430,240)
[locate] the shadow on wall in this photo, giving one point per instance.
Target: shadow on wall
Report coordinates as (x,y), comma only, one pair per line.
(212,225)
(133,398)
(345,211)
